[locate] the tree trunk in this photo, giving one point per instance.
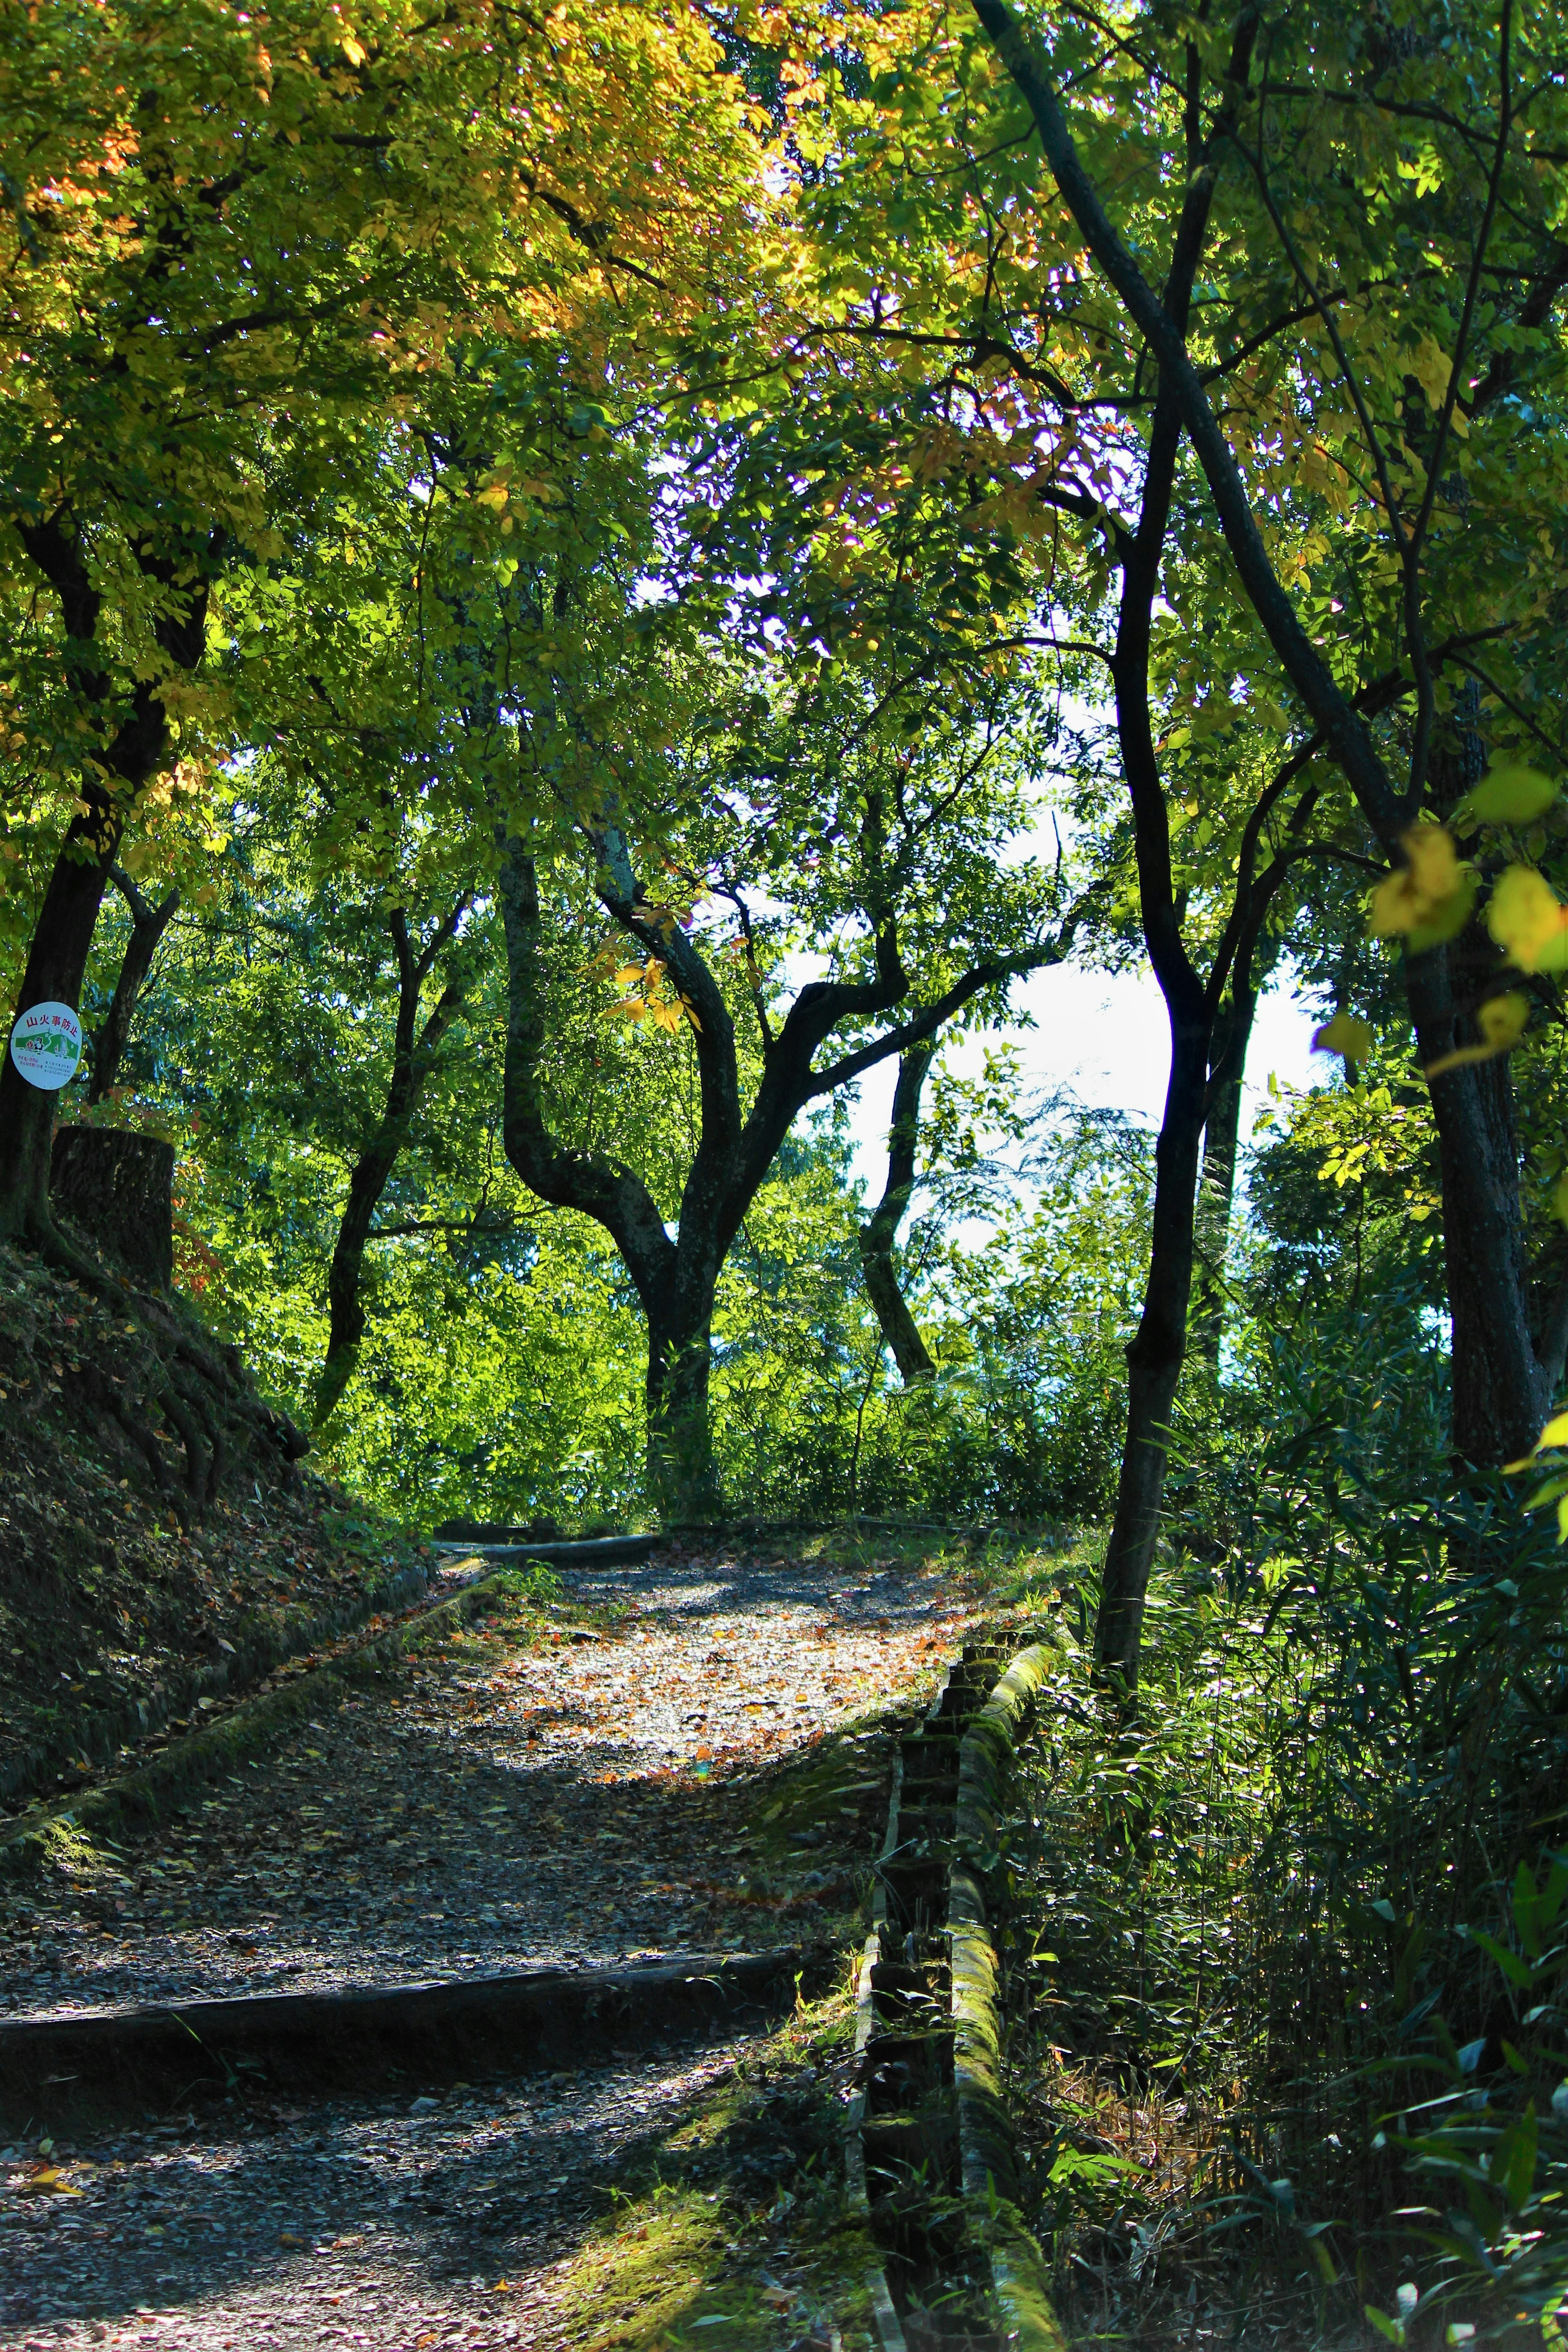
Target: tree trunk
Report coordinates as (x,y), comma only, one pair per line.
(680,1466)
(1216,1183)
(879,1235)
(675,1280)
(57,959)
(1502,1396)
(1155,1356)
(1497,1384)
(119,1188)
(57,964)
(346,1315)
(410,1065)
(148,924)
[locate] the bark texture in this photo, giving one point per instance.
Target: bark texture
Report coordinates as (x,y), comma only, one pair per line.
(1156,1354)
(1502,1391)
(119,1188)
(879,1234)
(1216,1176)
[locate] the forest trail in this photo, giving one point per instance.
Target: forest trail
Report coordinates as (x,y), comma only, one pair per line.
(687,1761)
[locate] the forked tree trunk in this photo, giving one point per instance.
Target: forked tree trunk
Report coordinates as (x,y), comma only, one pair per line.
(879,1235)
(1498,1385)
(148,924)
(675,1279)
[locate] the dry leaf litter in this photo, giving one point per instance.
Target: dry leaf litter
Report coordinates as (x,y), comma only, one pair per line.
(588,1793)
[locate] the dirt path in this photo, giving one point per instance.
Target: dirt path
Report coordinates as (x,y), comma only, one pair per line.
(674,1775)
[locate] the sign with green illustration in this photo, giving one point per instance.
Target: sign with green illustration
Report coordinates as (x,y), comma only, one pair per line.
(46,1044)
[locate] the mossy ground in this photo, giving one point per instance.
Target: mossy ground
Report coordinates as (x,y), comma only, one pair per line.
(734,2234)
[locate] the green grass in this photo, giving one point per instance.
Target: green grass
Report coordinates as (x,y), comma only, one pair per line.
(717,2241)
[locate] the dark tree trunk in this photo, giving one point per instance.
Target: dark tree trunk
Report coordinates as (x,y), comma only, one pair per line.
(682,1471)
(413,1058)
(676,1280)
(119,1188)
(1501,1394)
(56,963)
(879,1235)
(1497,1382)
(1155,1356)
(62,939)
(148,924)
(1216,1180)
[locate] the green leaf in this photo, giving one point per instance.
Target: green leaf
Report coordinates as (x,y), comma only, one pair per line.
(1516,1970)
(1512,2166)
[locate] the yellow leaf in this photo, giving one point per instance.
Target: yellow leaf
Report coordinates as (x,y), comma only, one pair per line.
(351,49)
(1428,364)
(47,2183)
(1500,1021)
(496,496)
(1527,922)
(1346,1035)
(1428,898)
(1508,794)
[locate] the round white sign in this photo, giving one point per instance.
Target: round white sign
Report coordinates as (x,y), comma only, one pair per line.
(46,1044)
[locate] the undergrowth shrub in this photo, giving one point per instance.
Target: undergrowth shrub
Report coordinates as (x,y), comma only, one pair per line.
(1282,1912)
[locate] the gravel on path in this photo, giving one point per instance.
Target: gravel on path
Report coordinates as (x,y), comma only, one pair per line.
(589,1793)
(397,2222)
(504,1800)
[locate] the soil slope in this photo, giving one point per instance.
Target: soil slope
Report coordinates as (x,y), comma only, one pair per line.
(161,1539)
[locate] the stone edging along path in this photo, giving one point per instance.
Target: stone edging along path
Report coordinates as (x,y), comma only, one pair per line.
(987,2155)
(930,2130)
(199,1756)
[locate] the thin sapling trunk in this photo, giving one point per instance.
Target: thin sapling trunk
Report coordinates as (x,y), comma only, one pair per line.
(413,1056)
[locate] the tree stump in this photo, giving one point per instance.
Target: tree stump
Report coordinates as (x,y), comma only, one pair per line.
(119,1188)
